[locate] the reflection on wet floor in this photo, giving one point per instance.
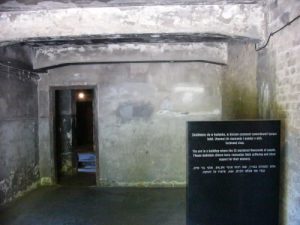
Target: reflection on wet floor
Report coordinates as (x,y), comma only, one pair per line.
(62,205)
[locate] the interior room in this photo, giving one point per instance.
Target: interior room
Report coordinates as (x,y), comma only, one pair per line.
(95,97)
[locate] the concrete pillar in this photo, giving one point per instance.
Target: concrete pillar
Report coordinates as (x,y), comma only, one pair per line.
(239,88)
(65,129)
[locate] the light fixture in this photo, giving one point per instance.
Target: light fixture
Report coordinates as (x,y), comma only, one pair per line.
(81,95)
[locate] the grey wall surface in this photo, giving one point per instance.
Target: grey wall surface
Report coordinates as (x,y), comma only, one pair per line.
(239,90)
(142,113)
(279,97)
(17,56)
(18,133)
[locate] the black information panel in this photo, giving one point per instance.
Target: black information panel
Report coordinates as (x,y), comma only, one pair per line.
(233,173)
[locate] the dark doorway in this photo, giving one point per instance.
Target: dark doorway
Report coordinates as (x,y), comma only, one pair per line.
(84,120)
(74,137)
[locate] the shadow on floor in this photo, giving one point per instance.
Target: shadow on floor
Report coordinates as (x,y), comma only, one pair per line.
(60,205)
(80,179)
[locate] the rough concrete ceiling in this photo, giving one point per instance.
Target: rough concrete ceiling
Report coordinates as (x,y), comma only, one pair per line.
(210,21)
(30,46)
(47,57)
(134,22)
(18,5)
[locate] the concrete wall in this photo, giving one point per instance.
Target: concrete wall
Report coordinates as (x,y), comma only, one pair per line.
(142,113)
(18,133)
(279,96)
(239,91)
(17,56)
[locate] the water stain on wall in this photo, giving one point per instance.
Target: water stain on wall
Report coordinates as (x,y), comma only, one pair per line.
(128,111)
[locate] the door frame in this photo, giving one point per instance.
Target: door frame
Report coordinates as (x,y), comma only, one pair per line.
(52,90)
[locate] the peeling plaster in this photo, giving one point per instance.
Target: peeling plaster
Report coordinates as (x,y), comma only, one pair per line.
(12,186)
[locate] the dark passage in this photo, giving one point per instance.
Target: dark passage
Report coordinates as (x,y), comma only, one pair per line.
(97,206)
(84,123)
(75,153)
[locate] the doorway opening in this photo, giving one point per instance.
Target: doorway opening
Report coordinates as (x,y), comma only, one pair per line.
(74,144)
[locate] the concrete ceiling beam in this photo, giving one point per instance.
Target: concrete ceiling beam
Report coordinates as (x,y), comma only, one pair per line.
(232,20)
(33,5)
(52,56)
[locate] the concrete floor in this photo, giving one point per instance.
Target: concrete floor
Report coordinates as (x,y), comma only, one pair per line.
(78,180)
(61,205)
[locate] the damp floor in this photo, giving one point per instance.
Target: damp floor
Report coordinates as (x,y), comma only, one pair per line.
(67,205)
(79,180)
